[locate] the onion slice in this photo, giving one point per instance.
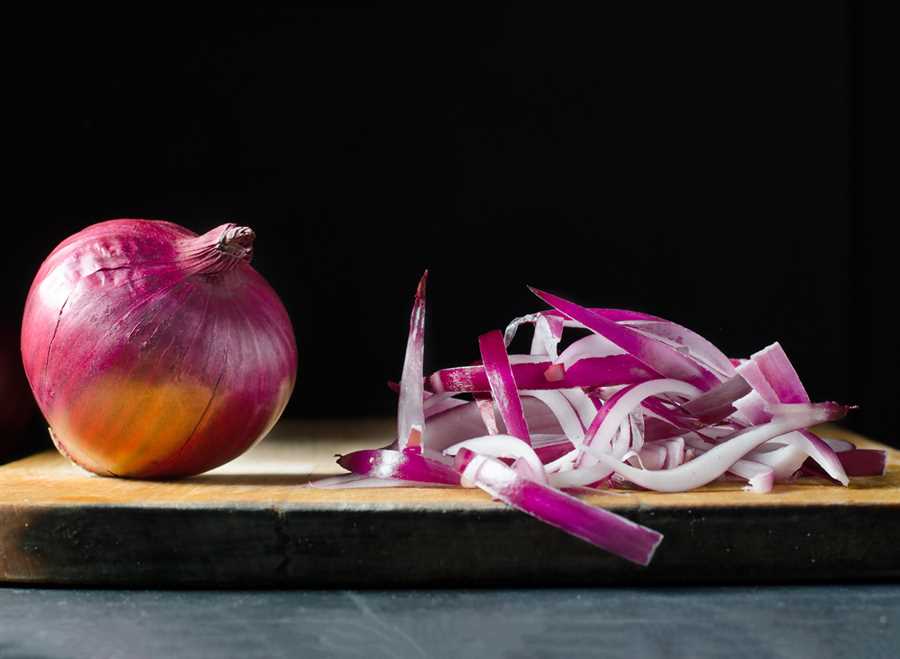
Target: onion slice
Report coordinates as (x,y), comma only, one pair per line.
(563,410)
(697,346)
(406,465)
(760,477)
(776,386)
(604,371)
(855,462)
(617,408)
(503,385)
(410,409)
(504,446)
(655,355)
(597,526)
(780,373)
(712,464)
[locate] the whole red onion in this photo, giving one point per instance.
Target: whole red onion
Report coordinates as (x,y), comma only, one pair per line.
(154,352)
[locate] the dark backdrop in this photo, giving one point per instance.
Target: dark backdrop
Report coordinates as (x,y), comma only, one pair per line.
(698,162)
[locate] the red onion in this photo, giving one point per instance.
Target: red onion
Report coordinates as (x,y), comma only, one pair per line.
(154,352)
(641,400)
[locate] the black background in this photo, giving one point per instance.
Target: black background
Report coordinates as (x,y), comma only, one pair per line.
(700,162)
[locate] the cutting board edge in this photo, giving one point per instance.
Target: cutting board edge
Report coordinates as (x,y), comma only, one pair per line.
(302,548)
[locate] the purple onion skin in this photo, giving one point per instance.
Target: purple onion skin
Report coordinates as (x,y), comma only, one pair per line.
(153,352)
(587,372)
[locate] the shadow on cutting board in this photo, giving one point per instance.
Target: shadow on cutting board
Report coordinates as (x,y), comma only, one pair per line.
(255,480)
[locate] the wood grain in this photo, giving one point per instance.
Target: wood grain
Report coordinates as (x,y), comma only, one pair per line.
(256,521)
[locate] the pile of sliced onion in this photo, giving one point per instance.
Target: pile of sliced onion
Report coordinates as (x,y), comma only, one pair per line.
(639,402)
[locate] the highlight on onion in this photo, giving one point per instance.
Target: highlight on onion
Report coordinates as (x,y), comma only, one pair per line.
(154,352)
(640,402)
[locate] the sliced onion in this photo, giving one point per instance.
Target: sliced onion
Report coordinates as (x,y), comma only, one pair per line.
(641,402)
(821,453)
(655,355)
(621,405)
(411,411)
(547,334)
(674,452)
(503,385)
(615,315)
(715,462)
(529,374)
(784,459)
(781,375)
(754,377)
(751,409)
(485,405)
(551,452)
(718,403)
(760,477)
(838,445)
(466,421)
(565,414)
(400,465)
(776,386)
(437,403)
(504,446)
(652,456)
(585,406)
(855,462)
(697,347)
(597,526)
(592,346)
(864,462)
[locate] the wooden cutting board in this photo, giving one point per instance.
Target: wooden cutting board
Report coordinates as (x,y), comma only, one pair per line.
(255,522)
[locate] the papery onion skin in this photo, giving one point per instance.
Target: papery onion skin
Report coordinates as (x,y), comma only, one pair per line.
(153,352)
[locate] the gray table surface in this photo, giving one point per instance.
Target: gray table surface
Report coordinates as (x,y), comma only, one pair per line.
(859,621)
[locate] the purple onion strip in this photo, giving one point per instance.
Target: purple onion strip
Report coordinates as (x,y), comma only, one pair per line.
(401,465)
(660,357)
(503,384)
(597,526)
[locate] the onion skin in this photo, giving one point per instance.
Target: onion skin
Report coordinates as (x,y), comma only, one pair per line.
(153,352)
